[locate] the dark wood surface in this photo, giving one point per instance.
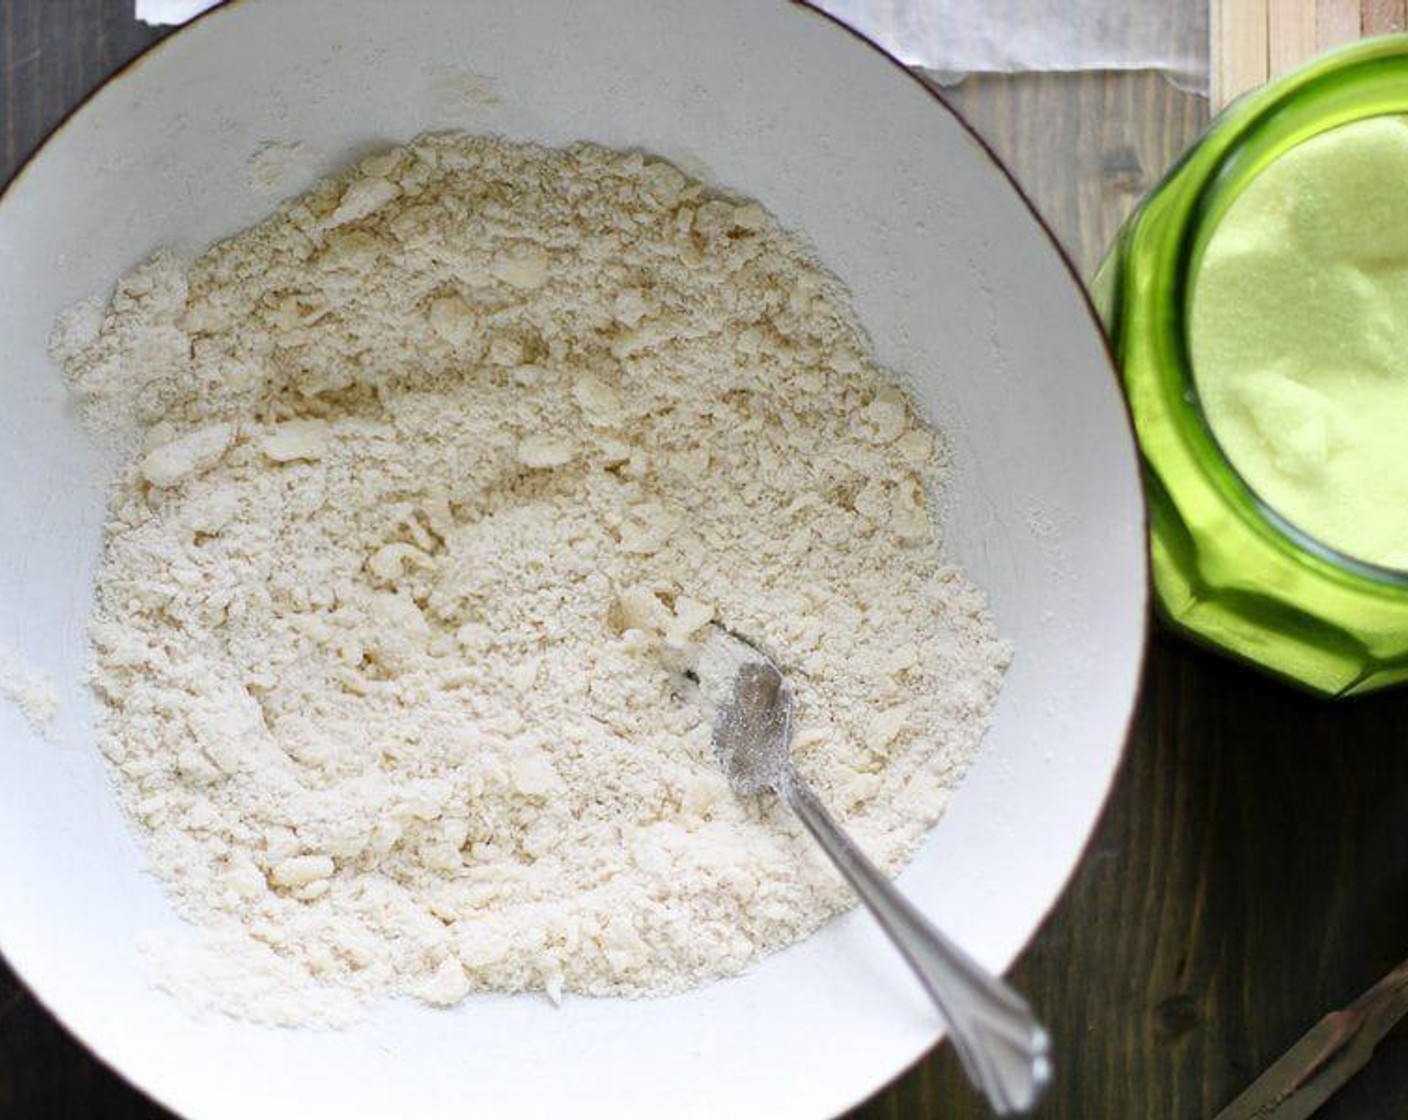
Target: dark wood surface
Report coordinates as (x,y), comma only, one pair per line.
(1251,869)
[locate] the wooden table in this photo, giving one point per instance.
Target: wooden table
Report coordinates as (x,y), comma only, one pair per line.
(1251,870)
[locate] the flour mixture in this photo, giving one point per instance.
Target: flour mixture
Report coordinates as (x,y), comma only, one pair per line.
(433,475)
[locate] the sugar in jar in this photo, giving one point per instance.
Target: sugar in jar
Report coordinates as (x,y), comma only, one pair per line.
(1257,302)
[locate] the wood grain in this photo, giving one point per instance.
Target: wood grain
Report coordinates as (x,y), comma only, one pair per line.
(1255,40)
(1238,53)
(1379,17)
(1083,147)
(1251,870)
(1337,22)
(1291,34)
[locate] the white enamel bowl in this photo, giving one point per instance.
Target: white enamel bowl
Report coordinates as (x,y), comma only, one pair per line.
(960,288)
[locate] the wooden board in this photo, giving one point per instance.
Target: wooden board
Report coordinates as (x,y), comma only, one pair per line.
(1253,40)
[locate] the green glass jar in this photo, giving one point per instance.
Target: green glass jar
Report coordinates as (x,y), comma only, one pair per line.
(1228,570)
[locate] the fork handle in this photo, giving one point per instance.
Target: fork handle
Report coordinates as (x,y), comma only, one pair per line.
(1004,1050)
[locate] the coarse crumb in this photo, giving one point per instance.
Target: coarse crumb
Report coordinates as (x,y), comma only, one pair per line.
(428,470)
(30,690)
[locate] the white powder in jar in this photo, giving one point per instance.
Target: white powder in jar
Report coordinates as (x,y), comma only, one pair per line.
(428,469)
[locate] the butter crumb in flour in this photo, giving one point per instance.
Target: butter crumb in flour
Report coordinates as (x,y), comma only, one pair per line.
(430,473)
(29,690)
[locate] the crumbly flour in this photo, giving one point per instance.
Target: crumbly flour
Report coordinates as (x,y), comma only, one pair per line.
(430,471)
(29,690)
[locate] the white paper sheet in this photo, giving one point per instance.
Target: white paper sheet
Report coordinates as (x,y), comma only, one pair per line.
(1004,36)
(171,11)
(954,37)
